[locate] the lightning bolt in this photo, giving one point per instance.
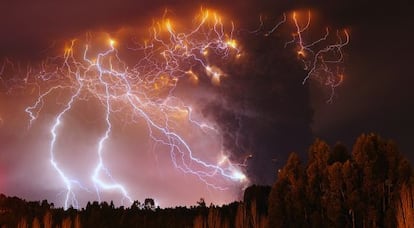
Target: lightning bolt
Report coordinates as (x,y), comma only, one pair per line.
(321,61)
(322,58)
(100,166)
(68,182)
(145,91)
(105,77)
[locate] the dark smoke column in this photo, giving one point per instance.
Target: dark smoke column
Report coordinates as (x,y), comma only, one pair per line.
(265,111)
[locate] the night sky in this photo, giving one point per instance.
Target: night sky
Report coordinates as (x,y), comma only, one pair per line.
(261,108)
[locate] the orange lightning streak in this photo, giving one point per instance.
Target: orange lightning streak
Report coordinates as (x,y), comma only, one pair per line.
(322,61)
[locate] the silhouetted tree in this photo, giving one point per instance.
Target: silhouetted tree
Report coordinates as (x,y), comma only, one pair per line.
(47,219)
(287,197)
(317,183)
(35,223)
(149,203)
(373,157)
(136,205)
(339,154)
(201,203)
(404,207)
(335,196)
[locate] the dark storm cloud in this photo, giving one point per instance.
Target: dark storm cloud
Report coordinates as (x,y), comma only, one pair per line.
(265,110)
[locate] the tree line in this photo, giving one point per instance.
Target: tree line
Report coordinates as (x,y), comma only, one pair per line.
(251,212)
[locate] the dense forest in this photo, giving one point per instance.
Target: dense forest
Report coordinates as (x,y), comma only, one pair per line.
(371,186)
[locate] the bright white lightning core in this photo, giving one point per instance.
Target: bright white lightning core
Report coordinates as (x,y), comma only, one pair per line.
(145,92)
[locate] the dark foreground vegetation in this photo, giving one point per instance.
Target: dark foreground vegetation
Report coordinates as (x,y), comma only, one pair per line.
(372,186)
